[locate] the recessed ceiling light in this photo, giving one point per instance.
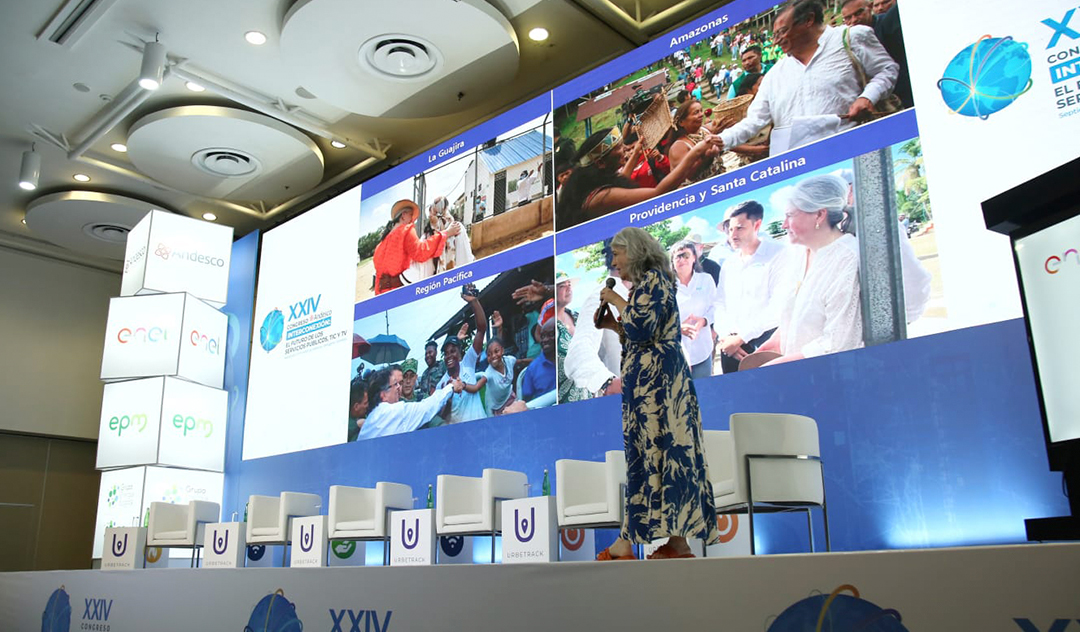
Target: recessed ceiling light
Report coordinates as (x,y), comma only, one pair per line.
(24,220)
(120,147)
(209,217)
(81,177)
(255,37)
(538,34)
(337,144)
(194,87)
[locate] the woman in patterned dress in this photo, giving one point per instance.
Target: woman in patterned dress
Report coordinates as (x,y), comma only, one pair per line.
(668,492)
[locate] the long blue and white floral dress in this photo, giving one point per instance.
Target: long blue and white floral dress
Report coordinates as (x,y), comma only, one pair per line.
(668,491)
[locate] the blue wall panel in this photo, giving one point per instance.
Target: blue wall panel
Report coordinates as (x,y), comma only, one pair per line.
(931,442)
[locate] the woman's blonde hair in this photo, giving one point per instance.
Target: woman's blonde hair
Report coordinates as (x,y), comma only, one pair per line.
(643,252)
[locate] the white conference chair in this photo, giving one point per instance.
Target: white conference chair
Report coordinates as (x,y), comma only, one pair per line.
(589,494)
(180,526)
(270,517)
(467,505)
(775,467)
(720,455)
(359,513)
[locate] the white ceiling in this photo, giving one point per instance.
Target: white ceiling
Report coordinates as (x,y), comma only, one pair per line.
(305,81)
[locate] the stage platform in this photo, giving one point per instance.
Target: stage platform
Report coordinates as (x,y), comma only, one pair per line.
(1023,587)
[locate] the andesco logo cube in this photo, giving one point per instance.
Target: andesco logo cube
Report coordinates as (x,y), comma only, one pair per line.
(172,253)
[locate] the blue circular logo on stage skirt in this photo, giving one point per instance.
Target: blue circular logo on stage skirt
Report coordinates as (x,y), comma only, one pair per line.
(57,615)
(986,76)
(274,613)
(837,612)
(273,327)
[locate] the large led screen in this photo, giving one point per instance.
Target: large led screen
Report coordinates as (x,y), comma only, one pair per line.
(815,175)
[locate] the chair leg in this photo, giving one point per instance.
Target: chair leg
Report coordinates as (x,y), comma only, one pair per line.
(825,511)
(284,552)
(492,547)
(750,506)
(386,552)
(810,528)
(825,517)
(193,549)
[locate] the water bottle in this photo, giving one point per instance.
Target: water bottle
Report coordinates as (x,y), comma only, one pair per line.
(545,487)
(430,498)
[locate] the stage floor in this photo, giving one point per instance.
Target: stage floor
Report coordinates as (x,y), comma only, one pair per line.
(1022,587)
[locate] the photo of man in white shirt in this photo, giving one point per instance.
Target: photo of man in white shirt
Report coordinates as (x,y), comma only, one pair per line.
(750,288)
(815,86)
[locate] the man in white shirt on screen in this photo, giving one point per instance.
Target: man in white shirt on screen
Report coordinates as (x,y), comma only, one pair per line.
(389,415)
(815,91)
(594,355)
(751,281)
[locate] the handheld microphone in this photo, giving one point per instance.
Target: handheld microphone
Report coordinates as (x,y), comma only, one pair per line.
(599,315)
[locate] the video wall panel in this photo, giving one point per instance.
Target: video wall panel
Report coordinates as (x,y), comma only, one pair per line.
(479,262)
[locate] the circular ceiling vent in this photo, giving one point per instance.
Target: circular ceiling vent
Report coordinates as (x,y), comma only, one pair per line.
(225,163)
(225,153)
(400,56)
(109,233)
(400,59)
(87,222)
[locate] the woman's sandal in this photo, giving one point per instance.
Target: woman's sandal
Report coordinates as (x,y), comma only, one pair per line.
(667,552)
(606,556)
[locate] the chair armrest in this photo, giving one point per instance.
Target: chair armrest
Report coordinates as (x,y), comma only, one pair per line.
(577,483)
(393,495)
(299,504)
(504,483)
(204,511)
(615,478)
(456,495)
(719,454)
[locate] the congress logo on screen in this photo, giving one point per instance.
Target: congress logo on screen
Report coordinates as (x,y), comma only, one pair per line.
(272,330)
(986,77)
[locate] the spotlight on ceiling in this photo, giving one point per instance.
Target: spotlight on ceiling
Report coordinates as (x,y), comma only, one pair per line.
(30,170)
(209,217)
(152,72)
(255,37)
(194,87)
(538,34)
(120,147)
(81,177)
(337,144)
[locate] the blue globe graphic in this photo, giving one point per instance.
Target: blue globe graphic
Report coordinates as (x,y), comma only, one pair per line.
(837,612)
(273,327)
(57,615)
(986,76)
